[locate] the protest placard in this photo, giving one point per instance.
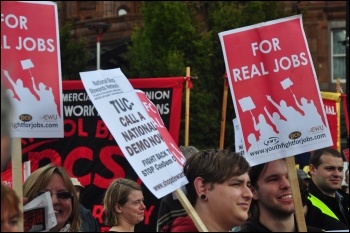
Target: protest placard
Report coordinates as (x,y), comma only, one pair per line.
(134,130)
(31,68)
(275,90)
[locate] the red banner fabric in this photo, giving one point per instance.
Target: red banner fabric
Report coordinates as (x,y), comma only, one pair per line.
(332,109)
(89,152)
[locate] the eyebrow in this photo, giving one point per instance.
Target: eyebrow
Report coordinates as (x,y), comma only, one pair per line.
(239,179)
(272,176)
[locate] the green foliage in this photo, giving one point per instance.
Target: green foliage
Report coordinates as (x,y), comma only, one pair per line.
(160,48)
(74,54)
(184,34)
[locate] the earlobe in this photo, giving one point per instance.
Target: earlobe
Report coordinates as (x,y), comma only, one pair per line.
(200,187)
(311,168)
(117,208)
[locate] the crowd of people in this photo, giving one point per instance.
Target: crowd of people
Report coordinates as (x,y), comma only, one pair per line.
(224,190)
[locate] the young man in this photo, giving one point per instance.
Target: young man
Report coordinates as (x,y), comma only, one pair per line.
(326,171)
(272,208)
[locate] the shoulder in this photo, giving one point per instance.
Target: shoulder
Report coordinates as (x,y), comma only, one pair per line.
(183,224)
(344,194)
(84,210)
(253,225)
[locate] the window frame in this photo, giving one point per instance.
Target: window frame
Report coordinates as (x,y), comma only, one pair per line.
(336,25)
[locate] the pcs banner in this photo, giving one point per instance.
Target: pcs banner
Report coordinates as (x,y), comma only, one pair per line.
(88,150)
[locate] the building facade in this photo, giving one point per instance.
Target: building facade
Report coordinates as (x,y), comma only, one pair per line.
(324,25)
(324,22)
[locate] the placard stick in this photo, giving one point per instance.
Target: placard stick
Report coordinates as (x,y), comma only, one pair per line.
(223,113)
(17,174)
(190,211)
(187,111)
(294,183)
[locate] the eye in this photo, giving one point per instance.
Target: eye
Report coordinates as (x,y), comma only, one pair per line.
(64,195)
(272,179)
(14,222)
(136,202)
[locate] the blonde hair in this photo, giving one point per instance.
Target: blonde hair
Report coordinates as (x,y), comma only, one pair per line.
(38,181)
(117,193)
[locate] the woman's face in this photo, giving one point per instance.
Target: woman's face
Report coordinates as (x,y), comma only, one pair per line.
(229,202)
(9,219)
(61,206)
(133,211)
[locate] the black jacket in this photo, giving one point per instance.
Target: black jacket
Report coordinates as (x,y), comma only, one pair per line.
(316,218)
(89,223)
(254,225)
(332,202)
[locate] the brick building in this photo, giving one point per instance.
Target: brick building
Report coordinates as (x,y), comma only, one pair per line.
(325,25)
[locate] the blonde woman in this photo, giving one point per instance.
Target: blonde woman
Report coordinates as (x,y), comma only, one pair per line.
(55,179)
(123,205)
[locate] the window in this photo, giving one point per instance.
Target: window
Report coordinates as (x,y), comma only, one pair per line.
(338,58)
(122,11)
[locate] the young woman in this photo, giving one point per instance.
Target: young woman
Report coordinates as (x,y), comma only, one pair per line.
(55,179)
(123,205)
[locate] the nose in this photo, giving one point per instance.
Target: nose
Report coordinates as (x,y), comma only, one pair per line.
(247,192)
(54,199)
(337,173)
(143,206)
(285,182)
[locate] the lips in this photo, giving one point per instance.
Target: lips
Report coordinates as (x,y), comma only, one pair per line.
(288,196)
(245,205)
(58,211)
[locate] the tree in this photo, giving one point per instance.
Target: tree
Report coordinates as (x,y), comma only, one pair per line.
(74,54)
(185,33)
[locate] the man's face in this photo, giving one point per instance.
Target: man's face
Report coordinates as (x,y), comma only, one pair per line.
(329,175)
(274,193)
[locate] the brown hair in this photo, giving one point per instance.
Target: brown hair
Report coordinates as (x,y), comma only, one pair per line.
(215,166)
(315,158)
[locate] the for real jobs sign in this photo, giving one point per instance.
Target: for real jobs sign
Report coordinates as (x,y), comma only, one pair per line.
(31,69)
(274,90)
